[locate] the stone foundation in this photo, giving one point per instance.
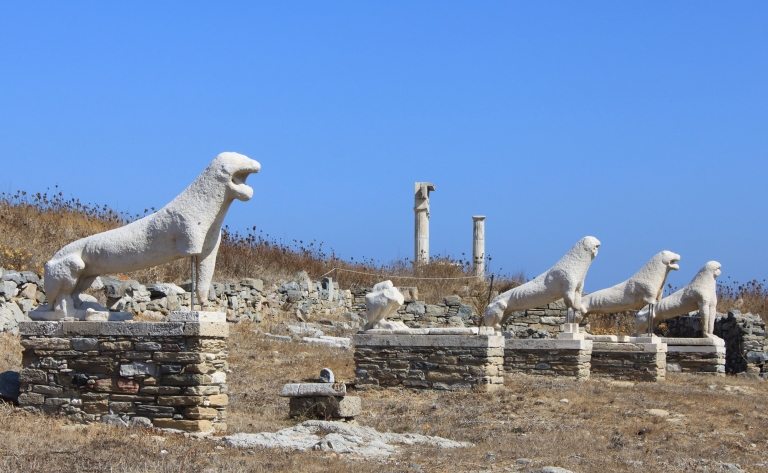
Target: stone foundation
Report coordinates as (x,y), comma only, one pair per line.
(165,375)
(547,357)
(325,407)
(425,361)
(696,355)
(628,358)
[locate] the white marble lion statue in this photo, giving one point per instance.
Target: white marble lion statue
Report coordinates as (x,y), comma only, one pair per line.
(645,287)
(380,303)
(563,280)
(190,225)
(700,294)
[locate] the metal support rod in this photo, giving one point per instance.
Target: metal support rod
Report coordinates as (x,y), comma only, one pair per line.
(490,291)
(192,267)
(651,310)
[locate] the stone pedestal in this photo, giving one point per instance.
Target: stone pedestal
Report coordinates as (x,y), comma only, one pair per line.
(426,361)
(547,357)
(325,407)
(568,355)
(165,375)
(628,358)
(696,355)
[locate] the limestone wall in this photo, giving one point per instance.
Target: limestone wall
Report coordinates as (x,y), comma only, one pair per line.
(440,362)
(632,361)
(247,299)
(746,340)
(418,314)
(542,322)
(569,358)
(166,375)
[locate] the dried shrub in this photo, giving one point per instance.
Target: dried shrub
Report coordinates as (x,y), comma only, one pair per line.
(34,226)
(620,323)
(748,297)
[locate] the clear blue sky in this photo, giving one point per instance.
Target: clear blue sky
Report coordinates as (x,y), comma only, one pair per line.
(644,124)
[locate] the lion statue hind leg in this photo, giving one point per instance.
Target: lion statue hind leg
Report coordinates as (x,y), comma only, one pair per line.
(61,281)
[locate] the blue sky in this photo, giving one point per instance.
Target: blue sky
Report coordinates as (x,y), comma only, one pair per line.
(641,123)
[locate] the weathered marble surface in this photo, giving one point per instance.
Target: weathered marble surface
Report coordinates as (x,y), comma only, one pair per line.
(644,287)
(700,294)
(382,302)
(190,225)
(563,280)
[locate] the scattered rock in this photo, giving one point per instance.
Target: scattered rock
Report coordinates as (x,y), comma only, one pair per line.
(338,437)
(9,386)
(339,342)
(732,467)
(114,419)
(159,290)
(326,376)
(278,338)
(552,469)
(657,412)
(9,275)
(10,316)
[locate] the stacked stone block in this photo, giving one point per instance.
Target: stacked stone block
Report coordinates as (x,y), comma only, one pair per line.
(541,322)
(632,359)
(745,337)
(166,375)
(245,300)
(440,362)
(695,359)
(568,358)
(746,343)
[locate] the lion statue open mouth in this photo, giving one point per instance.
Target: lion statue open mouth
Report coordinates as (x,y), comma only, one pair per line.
(190,225)
(644,287)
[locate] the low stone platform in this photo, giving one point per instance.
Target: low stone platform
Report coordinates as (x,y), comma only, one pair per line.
(628,358)
(547,357)
(165,375)
(426,361)
(704,356)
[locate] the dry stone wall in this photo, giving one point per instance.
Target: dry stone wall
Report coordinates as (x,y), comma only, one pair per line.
(568,358)
(746,340)
(439,362)
(247,299)
(629,361)
(418,314)
(746,343)
(166,375)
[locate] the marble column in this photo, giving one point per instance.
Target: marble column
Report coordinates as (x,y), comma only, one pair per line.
(421,209)
(478,245)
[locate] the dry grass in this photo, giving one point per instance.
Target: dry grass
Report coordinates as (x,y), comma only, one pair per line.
(604,426)
(34,227)
(621,323)
(749,297)
(10,352)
